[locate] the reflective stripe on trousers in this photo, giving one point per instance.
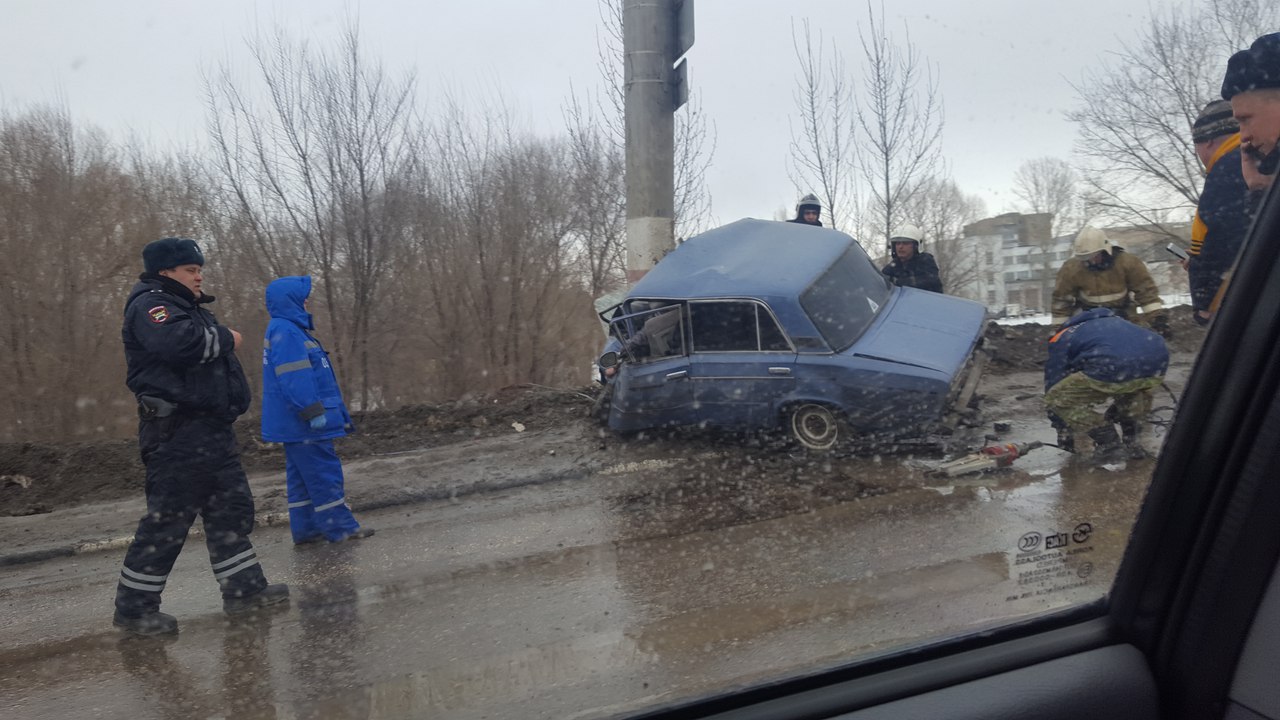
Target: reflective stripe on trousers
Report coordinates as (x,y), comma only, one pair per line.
(317,501)
(193,468)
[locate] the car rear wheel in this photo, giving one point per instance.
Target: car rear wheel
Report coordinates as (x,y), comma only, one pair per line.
(815,427)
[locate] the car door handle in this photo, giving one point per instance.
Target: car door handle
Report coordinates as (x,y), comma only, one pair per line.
(779,371)
(677,374)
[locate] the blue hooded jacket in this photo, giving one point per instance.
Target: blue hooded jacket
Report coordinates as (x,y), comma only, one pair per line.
(298,383)
(1105,347)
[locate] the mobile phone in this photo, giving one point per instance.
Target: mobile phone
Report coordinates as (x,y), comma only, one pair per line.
(1177,251)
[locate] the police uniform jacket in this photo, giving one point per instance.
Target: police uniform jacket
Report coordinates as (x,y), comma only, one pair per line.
(1121,285)
(176,351)
(1105,347)
(298,382)
(921,271)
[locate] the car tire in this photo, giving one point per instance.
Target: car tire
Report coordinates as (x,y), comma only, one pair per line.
(814,426)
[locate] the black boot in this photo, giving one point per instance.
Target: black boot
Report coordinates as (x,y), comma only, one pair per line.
(1106,444)
(1066,440)
(269,595)
(152,623)
(1129,436)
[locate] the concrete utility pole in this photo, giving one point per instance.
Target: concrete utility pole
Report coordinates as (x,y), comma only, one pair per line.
(655,33)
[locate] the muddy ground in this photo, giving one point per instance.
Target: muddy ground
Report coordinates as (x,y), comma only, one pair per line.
(41,477)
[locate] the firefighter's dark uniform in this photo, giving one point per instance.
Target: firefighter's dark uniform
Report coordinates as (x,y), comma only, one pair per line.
(920,271)
(190,388)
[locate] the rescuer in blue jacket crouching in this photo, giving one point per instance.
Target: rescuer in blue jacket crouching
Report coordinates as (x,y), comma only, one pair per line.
(302,407)
(1098,357)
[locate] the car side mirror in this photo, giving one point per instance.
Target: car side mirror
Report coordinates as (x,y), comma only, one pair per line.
(609,359)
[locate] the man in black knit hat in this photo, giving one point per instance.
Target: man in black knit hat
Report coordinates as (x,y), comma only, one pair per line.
(190,388)
(1222,215)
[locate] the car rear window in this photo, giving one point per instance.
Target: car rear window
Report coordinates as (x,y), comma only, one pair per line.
(844,300)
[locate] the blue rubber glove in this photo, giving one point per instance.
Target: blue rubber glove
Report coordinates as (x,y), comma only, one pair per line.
(318,422)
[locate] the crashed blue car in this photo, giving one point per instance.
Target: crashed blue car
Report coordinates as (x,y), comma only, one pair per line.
(773,326)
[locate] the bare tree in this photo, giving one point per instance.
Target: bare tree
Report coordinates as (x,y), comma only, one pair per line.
(823,151)
(941,210)
(492,246)
(317,174)
(900,117)
(1135,111)
(1050,185)
(75,211)
(599,195)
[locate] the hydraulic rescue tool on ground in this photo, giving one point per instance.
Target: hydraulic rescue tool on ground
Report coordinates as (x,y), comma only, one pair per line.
(991,457)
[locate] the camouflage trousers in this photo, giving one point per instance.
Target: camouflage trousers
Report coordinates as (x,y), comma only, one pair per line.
(1077,396)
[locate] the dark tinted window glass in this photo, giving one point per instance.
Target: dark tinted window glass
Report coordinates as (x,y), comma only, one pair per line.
(724,326)
(771,337)
(844,301)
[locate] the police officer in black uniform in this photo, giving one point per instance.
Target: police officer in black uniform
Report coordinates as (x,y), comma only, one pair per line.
(190,388)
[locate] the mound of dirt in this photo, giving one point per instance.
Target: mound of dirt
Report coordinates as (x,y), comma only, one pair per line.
(40,477)
(1020,348)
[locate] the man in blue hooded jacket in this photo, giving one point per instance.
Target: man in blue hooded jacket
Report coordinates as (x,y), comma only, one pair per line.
(302,407)
(1098,357)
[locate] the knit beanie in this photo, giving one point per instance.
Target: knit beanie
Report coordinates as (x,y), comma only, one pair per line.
(1215,120)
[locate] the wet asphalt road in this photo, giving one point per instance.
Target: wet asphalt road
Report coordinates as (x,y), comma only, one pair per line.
(579,598)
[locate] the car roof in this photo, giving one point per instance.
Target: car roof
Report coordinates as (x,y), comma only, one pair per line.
(747,258)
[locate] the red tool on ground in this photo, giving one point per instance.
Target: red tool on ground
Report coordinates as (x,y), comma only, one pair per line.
(991,457)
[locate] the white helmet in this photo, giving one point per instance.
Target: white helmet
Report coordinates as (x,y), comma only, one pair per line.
(1090,240)
(907,233)
(809,200)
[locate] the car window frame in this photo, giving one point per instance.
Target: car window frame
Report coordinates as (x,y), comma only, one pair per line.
(759,305)
(623,325)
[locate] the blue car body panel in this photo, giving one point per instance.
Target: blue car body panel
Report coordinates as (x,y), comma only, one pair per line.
(897,375)
(747,258)
(741,390)
(924,328)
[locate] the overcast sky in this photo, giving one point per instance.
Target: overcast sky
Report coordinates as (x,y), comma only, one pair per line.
(1005,67)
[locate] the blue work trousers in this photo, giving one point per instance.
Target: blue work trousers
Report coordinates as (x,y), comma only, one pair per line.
(317,498)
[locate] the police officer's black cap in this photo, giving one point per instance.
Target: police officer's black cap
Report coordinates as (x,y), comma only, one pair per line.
(169,253)
(1254,69)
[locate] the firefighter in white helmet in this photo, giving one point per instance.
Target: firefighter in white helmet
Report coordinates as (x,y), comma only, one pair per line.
(908,267)
(808,211)
(1104,275)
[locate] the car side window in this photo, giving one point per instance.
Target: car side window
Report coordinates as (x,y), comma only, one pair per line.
(651,334)
(734,326)
(771,337)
